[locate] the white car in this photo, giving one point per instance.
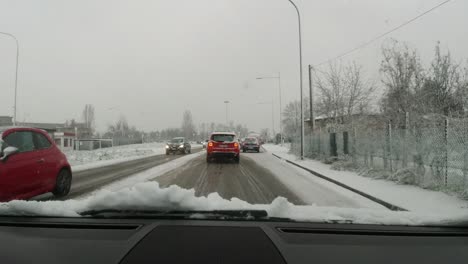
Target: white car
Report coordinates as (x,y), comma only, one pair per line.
(204,143)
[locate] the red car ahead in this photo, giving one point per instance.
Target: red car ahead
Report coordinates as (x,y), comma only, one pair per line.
(31,164)
(223,145)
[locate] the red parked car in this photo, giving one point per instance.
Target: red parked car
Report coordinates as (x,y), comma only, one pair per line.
(223,145)
(31,164)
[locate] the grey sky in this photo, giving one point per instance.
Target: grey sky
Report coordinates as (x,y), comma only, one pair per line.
(151,60)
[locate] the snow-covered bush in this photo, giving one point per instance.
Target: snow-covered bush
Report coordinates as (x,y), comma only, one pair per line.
(344,165)
(376,173)
(405,176)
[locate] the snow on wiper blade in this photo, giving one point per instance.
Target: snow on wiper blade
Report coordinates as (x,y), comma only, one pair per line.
(196,214)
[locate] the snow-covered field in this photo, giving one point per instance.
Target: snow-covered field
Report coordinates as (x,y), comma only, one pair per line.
(409,197)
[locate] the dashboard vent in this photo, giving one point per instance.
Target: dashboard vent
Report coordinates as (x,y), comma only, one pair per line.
(412,231)
(70,225)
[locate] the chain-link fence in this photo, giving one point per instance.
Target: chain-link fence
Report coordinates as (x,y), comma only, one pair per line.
(428,152)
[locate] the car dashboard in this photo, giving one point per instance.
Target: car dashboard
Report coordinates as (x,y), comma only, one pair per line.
(87,240)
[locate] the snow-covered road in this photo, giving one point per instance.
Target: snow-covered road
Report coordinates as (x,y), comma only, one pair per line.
(259,179)
(187,182)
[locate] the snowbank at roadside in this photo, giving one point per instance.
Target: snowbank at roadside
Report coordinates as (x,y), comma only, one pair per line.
(88,159)
(149,196)
(409,197)
(147,175)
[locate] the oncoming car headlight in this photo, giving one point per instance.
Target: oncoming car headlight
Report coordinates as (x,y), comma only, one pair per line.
(167,146)
(181,146)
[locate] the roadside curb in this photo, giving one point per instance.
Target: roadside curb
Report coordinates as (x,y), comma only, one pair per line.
(368,196)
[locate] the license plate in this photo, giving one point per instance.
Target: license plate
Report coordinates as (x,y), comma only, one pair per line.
(250,147)
(223,146)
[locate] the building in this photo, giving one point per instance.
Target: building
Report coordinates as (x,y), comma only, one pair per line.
(67,136)
(65,140)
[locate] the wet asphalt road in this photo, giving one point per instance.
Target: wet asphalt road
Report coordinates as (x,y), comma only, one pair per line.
(247,180)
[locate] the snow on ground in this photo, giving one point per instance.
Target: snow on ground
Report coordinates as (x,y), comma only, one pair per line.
(409,197)
(149,196)
(89,159)
(147,175)
(311,190)
(137,193)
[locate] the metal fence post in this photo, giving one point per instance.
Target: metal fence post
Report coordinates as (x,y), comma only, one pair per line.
(389,146)
(345,143)
(446,151)
(405,141)
(353,147)
(319,141)
(465,155)
(333,147)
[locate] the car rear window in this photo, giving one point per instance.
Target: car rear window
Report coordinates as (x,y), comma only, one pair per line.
(223,137)
(251,140)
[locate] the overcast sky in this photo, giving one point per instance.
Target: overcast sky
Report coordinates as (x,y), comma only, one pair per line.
(151,60)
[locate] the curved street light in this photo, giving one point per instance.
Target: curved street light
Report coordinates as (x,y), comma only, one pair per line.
(300,74)
(16,73)
(227,119)
(280,107)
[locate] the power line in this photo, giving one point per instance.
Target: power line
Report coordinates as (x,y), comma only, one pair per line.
(383,34)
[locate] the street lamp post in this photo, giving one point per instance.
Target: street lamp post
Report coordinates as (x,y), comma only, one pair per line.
(227,119)
(300,77)
(16,73)
(280,108)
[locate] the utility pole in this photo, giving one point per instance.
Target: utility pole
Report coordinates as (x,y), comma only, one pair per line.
(311,99)
(280,120)
(16,75)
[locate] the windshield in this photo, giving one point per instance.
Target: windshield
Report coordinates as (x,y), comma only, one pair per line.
(357,114)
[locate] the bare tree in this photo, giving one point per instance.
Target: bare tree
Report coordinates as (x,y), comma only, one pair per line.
(188,127)
(120,128)
(265,134)
(291,117)
(358,92)
(343,91)
(443,88)
(88,118)
(402,75)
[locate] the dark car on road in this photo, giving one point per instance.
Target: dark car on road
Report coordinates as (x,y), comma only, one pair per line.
(251,144)
(31,164)
(223,145)
(178,145)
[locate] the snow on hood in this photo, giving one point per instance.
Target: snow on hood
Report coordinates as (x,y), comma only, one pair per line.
(149,196)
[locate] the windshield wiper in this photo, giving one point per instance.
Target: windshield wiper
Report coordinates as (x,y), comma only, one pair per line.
(182,214)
